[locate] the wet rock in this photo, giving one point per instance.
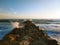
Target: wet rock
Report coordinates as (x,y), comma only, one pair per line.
(52,42)
(30,34)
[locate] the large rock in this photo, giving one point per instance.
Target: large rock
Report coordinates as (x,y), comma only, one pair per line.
(30,34)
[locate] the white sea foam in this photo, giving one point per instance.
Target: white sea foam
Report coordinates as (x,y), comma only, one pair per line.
(15,24)
(55,27)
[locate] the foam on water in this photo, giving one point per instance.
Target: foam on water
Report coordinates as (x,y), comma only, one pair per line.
(51,29)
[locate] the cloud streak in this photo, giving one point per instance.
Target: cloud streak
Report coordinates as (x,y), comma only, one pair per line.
(13,11)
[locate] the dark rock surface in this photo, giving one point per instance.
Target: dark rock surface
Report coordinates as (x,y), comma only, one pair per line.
(30,34)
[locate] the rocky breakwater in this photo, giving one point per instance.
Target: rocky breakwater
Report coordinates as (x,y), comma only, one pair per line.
(29,34)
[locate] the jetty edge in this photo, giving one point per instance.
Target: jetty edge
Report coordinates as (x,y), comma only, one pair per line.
(28,34)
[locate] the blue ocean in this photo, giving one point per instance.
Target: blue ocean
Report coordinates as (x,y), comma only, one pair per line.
(53,30)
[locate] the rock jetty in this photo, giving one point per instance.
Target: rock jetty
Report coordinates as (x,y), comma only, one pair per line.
(29,34)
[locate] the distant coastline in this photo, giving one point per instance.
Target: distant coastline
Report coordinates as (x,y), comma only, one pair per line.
(36,21)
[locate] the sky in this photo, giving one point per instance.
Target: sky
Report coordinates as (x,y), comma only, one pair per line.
(39,9)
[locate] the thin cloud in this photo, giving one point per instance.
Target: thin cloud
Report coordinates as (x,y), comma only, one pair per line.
(13,11)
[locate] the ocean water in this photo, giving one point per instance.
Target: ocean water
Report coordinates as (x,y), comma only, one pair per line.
(53,30)
(5,28)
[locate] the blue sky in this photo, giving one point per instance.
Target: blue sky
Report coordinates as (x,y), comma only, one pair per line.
(36,9)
